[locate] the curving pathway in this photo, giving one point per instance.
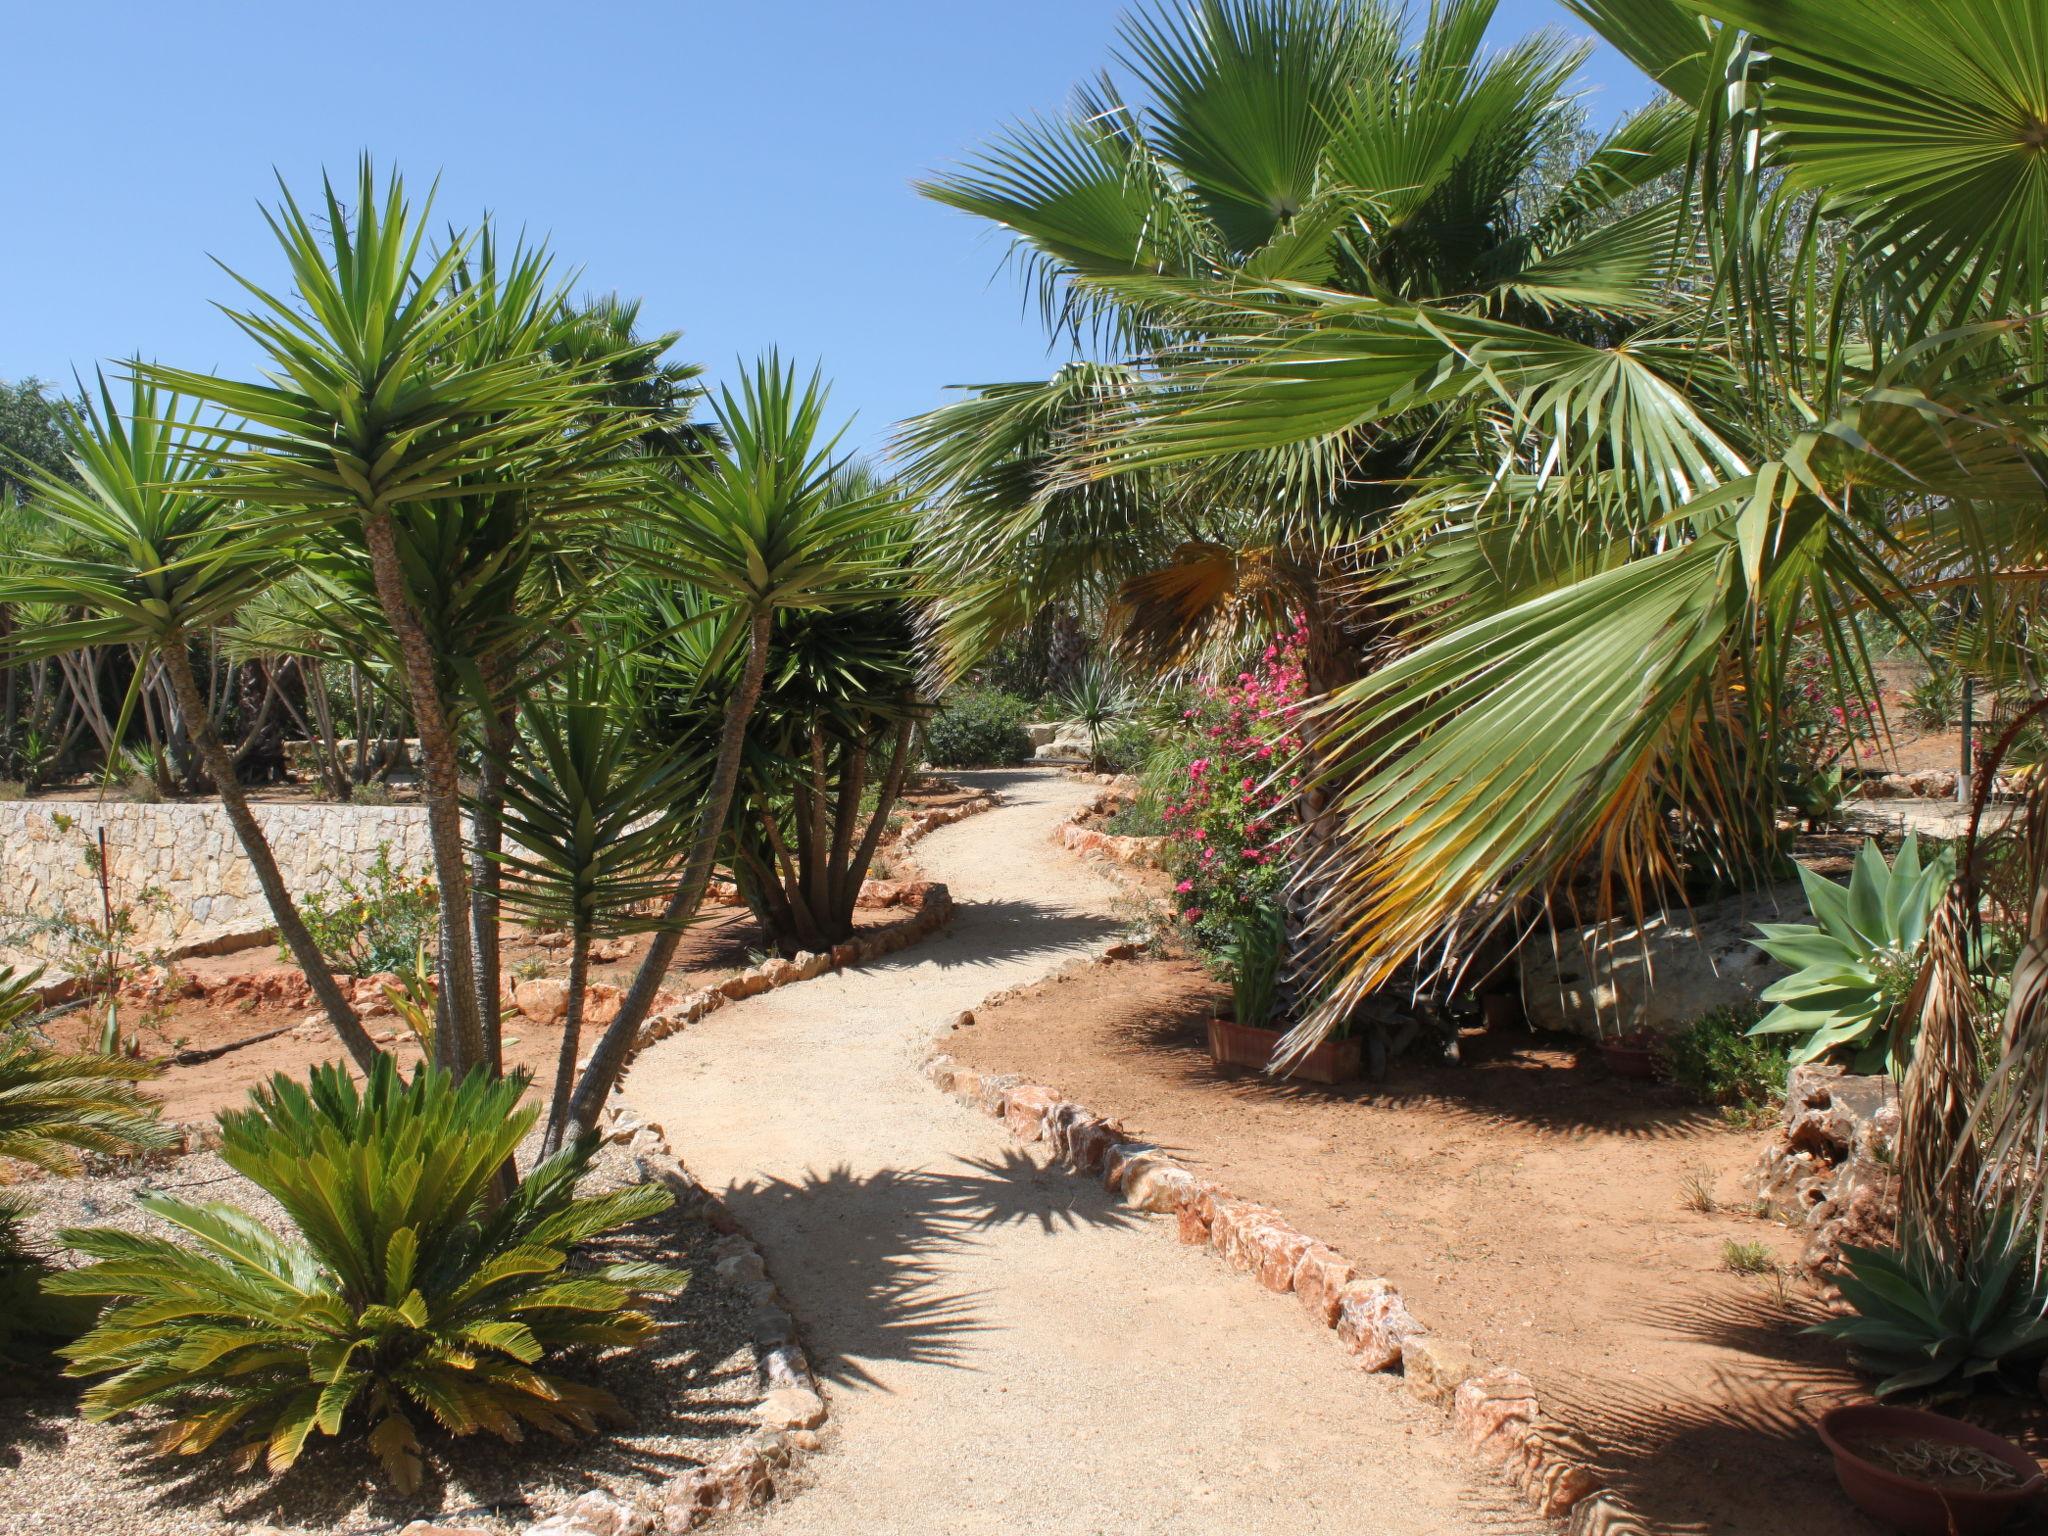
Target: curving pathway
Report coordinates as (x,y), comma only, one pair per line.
(1006,1350)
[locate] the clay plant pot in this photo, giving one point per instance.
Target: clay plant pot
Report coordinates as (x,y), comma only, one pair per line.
(1246,1045)
(1908,1505)
(1631,1055)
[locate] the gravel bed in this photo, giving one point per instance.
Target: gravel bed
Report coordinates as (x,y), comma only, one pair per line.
(690,1390)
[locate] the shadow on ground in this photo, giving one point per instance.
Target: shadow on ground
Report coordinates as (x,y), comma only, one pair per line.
(871,1286)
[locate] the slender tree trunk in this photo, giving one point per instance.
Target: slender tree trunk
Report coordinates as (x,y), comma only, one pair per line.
(440,778)
(892,786)
(487,840)
(608,1060)
(290,926)
(572,1040)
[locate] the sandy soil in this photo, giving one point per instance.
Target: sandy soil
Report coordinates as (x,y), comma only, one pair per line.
(1005,1349)
(726,940)
(1527,1202)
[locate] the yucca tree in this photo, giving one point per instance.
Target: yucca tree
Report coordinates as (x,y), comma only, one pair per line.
(397,386)
(1097,700)
(148,552)
(758,527)
(592,802)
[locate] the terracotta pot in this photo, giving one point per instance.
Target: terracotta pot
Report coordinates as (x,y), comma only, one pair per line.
(1246,1045)
(1632,1055)
(1906,1504)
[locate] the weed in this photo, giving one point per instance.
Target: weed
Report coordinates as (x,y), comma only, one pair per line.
(1696,1193)
(1717,1061)
(1747,1258)
(530,969)
(381,922)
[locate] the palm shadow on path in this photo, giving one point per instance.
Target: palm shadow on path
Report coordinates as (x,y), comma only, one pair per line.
(873,1284)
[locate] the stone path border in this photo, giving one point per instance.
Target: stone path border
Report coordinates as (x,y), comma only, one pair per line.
(1493,1412)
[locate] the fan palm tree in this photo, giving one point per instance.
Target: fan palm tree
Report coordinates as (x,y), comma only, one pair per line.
(1843,424)
(1280,142)
(155,556)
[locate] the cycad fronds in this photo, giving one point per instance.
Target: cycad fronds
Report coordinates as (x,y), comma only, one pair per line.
(54,1105)
(403,1294)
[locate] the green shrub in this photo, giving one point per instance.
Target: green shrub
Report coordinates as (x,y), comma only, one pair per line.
(979,728)
(382,922)
(1253,956)
(403,1295)
(1126,748)
(1718,1061)
(1917,1324)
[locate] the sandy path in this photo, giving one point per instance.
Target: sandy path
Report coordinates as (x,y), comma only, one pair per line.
(1005,1350)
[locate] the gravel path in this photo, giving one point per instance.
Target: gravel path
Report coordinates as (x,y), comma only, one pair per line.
(1005,1349)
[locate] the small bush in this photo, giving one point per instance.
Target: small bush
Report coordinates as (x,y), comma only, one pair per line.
(13,789)
(1718,1061)
(383,922)
(1128,747)
(1747,1258)
(979,728)
(375,792)
(403,1299)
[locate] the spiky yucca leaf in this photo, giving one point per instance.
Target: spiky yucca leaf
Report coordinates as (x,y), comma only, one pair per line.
(402,1292)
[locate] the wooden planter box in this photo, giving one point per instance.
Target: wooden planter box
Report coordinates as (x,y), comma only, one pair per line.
(1245,1045)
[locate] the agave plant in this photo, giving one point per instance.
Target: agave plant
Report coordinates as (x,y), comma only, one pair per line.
(403,1295)
(1854,969)
(1918,1324)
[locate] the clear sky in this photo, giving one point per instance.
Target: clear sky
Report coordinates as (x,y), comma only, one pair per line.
(745,167)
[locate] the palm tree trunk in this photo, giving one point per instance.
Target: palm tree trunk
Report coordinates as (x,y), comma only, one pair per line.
(440,777)
(290,926)
(892,786)
(572,1040)
(608,1060)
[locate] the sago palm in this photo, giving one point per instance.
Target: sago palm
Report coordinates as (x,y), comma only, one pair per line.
(403,1296)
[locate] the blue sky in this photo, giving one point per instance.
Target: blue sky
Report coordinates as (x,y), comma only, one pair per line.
(745,167)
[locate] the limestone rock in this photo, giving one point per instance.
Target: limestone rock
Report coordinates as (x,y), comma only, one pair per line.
(1614,977)
(543,1000)
(791,1408)
(1374,1324)
(1319,1280)
(1025,1108)
(1432,1366)
(1493,1411)
(594,1514)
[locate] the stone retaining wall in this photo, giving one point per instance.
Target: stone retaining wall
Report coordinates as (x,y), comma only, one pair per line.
(211,901)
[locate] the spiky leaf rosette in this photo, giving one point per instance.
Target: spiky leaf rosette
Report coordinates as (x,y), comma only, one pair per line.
(402,1292)
(1852,972)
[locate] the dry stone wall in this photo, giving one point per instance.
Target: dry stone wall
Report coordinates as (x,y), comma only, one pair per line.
(210,899)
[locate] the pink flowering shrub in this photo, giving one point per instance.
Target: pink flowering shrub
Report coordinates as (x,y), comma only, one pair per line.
(1230,820)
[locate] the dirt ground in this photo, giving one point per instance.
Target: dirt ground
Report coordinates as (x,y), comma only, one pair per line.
(1527,1202)
(268,1038)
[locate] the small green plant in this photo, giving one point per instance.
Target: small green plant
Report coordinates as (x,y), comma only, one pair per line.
(1918,1325)
(1253,956)
(1127,747)
(1696,1193)
(1936,702)
(1716,1060)
(380,922)
(375,792)
(1747,1258)
(1853,969)
(532,968)
(403,1297)
(13,789)
(979,728)
(1096,701)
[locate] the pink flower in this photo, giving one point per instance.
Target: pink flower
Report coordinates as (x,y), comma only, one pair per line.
(1192,915)
(1185,886)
